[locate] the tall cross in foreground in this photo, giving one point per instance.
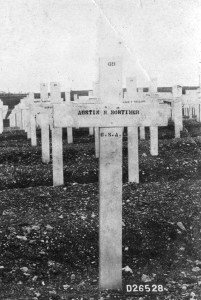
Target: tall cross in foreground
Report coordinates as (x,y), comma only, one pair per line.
(110,116)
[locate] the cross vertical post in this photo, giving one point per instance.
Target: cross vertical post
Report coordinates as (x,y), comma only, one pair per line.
(133,160)
(69,129)
(33,130)
(153,130)
(97,142)
(132,135)
(45,138)
(142,128)
(177,110)
(57,145)
(110,182)
(57,156)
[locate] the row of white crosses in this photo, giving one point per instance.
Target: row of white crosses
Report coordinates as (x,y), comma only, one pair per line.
(3,112)
(186,105)
(46,120)
(31,112)
(39,111)
(132,96)
(35,110)
(175,100)
(19,116)
(110,116)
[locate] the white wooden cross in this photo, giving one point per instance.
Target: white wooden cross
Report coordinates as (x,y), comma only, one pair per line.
(110,116)
(153,129)
(132,96)
(44,113)
(177,110)
(192,104)
(23,110)
(18,116)
(41,112)
(175,100)
(47,104)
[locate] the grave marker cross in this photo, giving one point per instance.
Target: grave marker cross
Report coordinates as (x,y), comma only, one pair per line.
(111,115)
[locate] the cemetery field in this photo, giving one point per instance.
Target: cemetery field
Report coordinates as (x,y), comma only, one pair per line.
(49,235)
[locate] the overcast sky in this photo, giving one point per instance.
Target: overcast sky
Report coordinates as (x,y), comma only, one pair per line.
(56,40)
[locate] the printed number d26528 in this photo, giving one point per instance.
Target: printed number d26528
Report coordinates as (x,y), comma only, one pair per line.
(144,288)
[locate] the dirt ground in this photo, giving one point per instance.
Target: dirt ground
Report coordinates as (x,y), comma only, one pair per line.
(49,235)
